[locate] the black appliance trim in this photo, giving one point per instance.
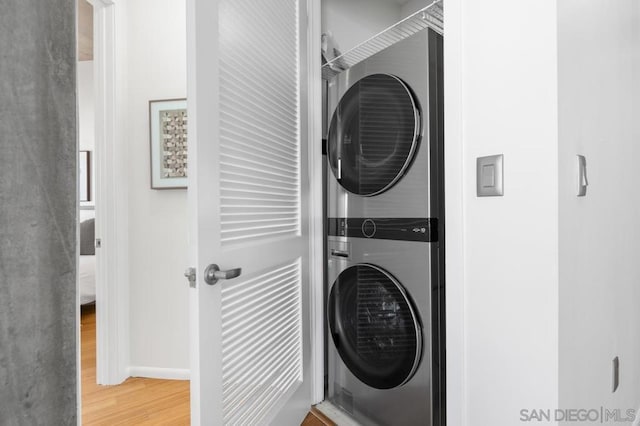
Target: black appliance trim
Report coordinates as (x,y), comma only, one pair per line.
(399,229)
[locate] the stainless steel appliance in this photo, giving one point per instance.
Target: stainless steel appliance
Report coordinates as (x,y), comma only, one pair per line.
(383,120)
(385,236)
(378,314)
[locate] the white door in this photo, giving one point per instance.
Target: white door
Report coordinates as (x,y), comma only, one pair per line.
(248,186)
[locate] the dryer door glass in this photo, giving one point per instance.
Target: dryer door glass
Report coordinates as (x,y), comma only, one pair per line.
(374,326)
(373,134)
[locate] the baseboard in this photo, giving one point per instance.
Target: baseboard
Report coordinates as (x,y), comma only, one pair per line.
(160,373)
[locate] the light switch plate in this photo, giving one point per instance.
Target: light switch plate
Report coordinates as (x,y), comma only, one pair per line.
(490,176)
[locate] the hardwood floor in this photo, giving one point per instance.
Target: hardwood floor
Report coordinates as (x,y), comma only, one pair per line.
(316,418)
(137,401)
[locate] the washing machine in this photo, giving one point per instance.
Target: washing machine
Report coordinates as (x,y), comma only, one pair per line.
(379,322)
(385,237)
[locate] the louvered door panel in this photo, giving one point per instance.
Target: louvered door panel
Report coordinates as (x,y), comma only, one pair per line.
(248,192)
(262,343)
(259,120)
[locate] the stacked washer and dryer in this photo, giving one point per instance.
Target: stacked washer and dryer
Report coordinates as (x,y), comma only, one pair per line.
(385,236)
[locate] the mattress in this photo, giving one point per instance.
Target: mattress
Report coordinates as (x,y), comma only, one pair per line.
(87,278)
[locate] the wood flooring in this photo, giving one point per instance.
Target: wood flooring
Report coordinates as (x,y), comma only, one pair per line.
(138,401)
(316,418)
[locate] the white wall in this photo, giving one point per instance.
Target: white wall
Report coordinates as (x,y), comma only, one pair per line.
(353,21)
(155,69)
(599,106)
(544,284)
(86,123)
(505,100)
(86,110)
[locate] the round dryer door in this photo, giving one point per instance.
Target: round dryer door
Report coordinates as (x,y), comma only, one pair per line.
(373,135)
(374,326)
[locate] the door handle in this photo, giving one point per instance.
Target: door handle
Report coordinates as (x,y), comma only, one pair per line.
(582,176)
(213,273)
(339,253)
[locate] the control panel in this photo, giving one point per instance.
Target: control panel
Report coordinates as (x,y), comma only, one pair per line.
(401,229)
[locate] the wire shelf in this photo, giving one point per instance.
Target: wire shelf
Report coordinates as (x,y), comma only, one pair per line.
(427,17)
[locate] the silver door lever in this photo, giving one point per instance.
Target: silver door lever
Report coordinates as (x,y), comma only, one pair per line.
(213,273)
(582,176)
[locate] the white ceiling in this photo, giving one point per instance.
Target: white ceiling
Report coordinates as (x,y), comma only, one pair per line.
(400,2)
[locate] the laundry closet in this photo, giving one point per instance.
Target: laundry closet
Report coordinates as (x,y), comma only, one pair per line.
(383,148)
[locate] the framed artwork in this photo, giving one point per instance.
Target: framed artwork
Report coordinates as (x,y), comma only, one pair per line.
(168,136)
(84,175)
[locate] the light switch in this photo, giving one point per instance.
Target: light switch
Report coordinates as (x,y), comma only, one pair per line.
(490,176)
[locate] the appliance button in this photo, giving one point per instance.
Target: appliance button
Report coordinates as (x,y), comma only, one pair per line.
(368,228)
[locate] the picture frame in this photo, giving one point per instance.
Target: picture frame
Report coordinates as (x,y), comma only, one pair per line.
(84,176)
(168,143)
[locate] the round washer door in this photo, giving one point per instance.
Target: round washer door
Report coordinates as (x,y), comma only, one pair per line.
(373,134)
(374,326)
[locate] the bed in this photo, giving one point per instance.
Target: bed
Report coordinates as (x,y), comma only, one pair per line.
(87,266)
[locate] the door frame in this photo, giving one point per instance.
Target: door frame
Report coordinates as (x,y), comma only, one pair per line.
(111,206)
(455,177)
(112,263)
(316,219)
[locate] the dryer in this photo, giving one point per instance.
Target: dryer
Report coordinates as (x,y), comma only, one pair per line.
(385,236)
(382,123)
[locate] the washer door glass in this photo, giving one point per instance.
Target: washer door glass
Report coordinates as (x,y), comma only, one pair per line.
(373,134)
(374,326)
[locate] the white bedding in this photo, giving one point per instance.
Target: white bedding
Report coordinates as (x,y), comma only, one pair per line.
(87,277)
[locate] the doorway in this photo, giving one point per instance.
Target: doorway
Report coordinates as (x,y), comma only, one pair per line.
(134,331)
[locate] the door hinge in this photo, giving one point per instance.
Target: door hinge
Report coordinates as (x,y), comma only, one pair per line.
(98,242)
(190,273)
